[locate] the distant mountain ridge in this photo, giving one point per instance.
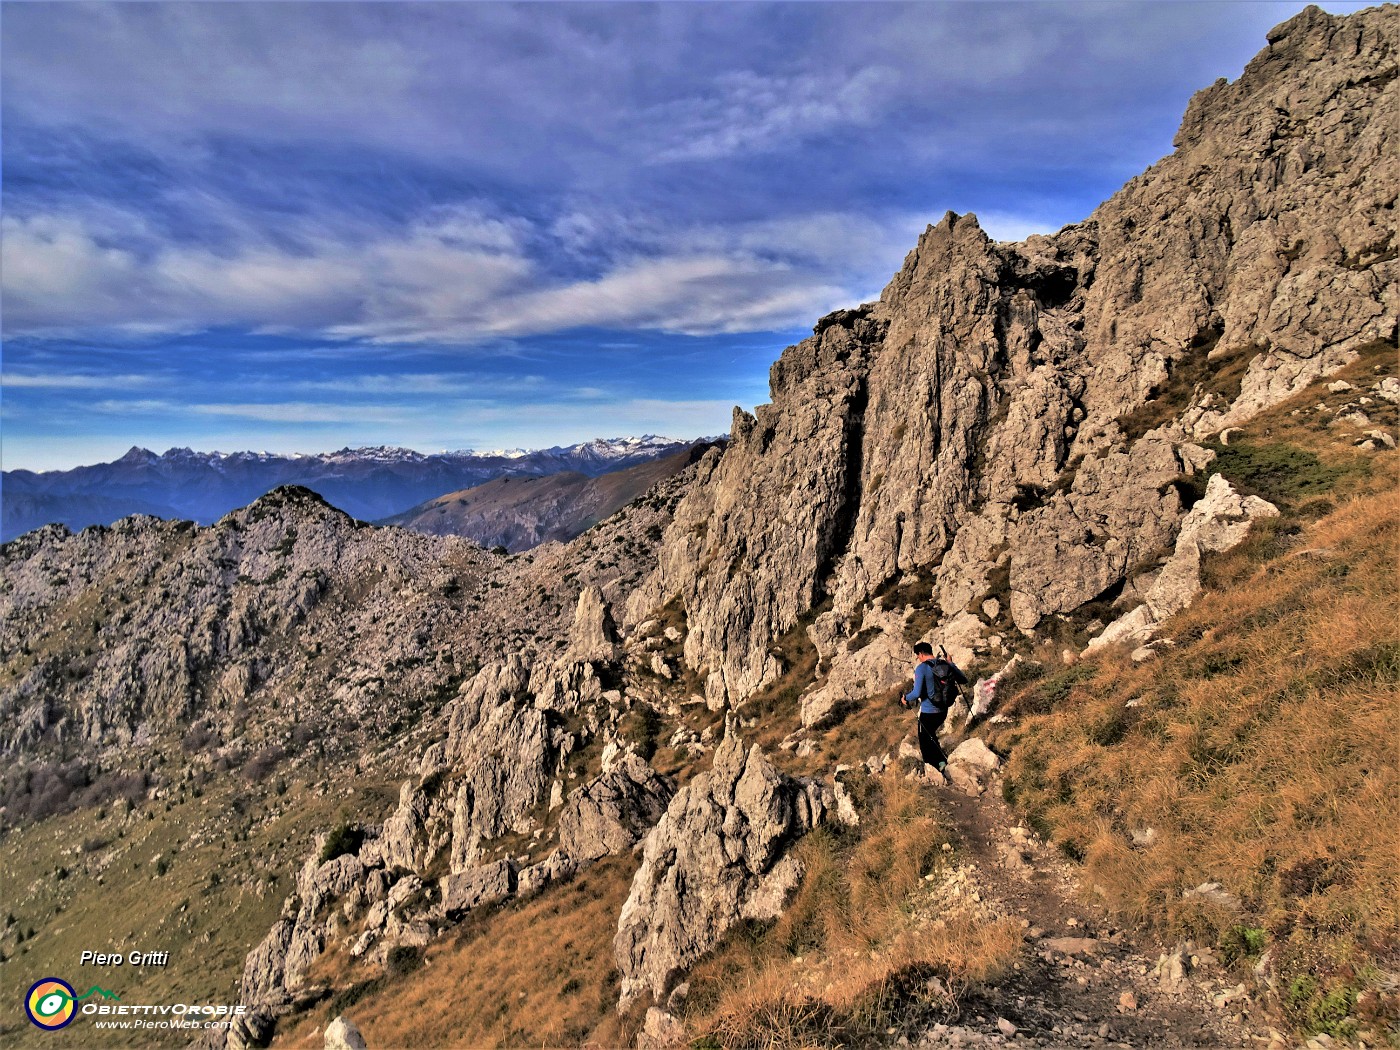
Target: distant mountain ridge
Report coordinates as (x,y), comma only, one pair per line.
(520,513)
(369,483)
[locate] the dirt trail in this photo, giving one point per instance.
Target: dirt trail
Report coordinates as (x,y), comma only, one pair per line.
(1083,981)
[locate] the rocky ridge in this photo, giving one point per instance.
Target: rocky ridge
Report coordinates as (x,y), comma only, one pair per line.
(1027,408)
(287,631)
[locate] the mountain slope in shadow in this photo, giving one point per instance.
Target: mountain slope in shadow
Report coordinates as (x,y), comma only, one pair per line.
(519,513)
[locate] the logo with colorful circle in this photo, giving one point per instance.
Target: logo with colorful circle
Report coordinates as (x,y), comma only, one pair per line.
(52,1004)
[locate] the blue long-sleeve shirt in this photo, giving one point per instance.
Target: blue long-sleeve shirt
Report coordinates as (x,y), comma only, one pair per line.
(925,689)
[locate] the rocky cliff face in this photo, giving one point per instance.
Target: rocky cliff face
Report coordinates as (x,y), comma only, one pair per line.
(1027,406)
(719,855)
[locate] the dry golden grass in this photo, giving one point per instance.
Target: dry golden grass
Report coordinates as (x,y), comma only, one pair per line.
(1262,751)
(537,974)
(854,952)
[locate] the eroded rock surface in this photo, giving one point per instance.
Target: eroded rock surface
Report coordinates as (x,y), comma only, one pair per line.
(1026,404)
(719,855)
(613,811)
(1220,520)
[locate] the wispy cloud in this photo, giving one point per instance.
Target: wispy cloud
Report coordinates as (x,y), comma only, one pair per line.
(268,412)
(66,381)
(745,112)
(245,224)
(456,276)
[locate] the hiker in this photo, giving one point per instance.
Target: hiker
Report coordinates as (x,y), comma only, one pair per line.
(936,682)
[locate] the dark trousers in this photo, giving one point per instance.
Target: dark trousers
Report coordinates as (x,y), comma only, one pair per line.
(932,751)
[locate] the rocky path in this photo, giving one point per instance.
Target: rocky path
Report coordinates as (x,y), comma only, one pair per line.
(1082,982)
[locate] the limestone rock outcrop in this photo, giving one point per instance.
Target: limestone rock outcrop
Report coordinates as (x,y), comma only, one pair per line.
(593,637)
(1026,407)
(488,884)
(613,811)
(341,1034)
(719,855)
(1120,508)
(503,753)
(856,670)
(416,833)
(1219,521)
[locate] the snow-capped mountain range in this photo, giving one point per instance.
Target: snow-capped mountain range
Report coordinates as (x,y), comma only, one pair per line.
(370,483)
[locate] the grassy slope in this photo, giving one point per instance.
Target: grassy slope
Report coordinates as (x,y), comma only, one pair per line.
(539,973)
(865,929)
(1262,749)
(203,880)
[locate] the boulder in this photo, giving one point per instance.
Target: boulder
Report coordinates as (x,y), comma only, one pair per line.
(719,855)
(984,690)
(972,764)
(479,886)
(341,1034)
(613,811)
(1219,521)
(661,1031)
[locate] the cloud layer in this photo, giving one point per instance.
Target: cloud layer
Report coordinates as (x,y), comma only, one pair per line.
(302,192)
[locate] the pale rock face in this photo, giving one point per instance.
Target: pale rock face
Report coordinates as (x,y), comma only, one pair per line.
(416,832)
(503,756)
(871,670)
(341,1034)
(982,400)
(613,811)
(488,884)
(1120,508)
(275,968)
(960,636)
(266,965)
(593,637)
(1219,521)
(1132,627)
(716,857)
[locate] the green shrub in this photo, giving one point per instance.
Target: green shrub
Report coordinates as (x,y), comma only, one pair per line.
(402,959)
(1283,474)
(344,838)
(1242,943)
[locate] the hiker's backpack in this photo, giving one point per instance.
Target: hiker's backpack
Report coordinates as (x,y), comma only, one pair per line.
(945,689)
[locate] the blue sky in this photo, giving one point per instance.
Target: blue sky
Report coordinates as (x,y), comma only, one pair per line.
(295,227)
